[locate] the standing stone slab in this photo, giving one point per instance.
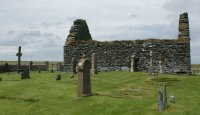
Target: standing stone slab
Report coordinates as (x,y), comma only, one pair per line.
(160,100)
(84,83)
(151,69)
(165,97)
(94,64)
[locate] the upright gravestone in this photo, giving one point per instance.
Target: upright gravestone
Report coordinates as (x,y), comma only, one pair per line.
(94,64)
(134,63)
(25,74)
(151,68)
(160,100)
(84,83)
(31,65)
(73,65)
(160,67)
(19,54)
(165,97)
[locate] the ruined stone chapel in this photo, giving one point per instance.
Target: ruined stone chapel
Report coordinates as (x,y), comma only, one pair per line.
(173,55)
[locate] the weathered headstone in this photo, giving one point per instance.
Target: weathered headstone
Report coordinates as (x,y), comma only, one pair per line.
(172,99)
(160,67)
(31,65)
(94,64)
(19,54)
(84,83)
(151,69)
(134,63)
(73,65)
(58,77)
(165,97)
(160,100)
(25,74)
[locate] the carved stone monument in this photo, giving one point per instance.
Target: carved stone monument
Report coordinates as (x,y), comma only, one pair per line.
(84,83)
(19,54)
(94,64)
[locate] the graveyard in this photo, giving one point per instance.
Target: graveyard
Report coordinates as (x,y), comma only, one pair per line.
(128,77)
(119,92)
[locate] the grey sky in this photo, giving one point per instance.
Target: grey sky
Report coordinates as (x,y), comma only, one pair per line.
(41,26)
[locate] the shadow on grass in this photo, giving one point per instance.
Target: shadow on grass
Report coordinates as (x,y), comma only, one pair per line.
(158,80)
(17,98)
(113,96)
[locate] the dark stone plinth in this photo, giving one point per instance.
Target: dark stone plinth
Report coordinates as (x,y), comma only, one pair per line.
(25,74)
(58,77)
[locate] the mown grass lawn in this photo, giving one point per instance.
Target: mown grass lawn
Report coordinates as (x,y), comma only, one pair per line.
(115,93)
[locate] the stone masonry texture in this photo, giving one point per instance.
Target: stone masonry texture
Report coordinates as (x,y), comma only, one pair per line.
(114,55)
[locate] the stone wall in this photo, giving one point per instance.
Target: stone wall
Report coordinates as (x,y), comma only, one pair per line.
(11,68)
(114,55)
(174,54)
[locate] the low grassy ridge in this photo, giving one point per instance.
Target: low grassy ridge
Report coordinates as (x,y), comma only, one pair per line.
(115,93)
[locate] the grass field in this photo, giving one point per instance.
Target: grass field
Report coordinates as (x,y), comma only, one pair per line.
(115,93)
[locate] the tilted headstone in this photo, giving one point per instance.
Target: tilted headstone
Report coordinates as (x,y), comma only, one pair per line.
(84,83)
(58,77)
(160,100)
(19,54)
(165,97)
(25,74)
(94,64)
(73,65)
(160,67)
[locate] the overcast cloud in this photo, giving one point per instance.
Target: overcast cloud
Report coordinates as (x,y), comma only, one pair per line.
(41,26)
